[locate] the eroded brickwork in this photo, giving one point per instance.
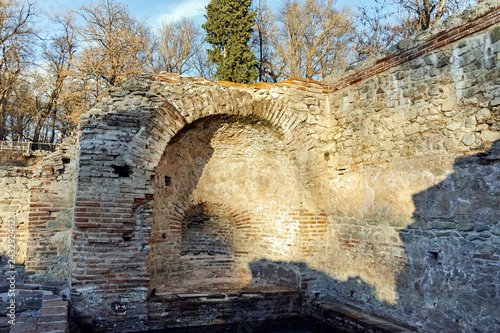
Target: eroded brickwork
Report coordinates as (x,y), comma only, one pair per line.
(14,206)
(350,189)
(378,189)
(52,197)
(208,165)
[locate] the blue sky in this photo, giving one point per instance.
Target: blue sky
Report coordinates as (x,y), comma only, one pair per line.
(154,11)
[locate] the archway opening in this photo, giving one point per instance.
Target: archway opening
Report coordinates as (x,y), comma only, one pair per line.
(226,195)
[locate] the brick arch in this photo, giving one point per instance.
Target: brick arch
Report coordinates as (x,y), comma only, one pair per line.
(181,279)
(173,115)
(120,149)
(161,231)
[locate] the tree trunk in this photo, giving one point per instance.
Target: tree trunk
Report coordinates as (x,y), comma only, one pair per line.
(53,133)
(38,128)
(426,16)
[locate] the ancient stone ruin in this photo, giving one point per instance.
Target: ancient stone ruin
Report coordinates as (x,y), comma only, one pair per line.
(371,201)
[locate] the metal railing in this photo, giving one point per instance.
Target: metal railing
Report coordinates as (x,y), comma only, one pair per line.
(26,146)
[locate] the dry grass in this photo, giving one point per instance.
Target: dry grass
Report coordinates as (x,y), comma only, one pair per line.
(17,159)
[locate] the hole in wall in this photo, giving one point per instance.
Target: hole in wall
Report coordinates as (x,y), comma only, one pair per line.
(120,308)
(168,180)
(122,171)
(434,256)
(127,238)
(66,160)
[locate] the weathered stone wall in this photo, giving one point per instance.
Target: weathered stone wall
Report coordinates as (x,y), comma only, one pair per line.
(52,195)
(14,206)
(412,148)
(207,165)
(229,166)
(378,189)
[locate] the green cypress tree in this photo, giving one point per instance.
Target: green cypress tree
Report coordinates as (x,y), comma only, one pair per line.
(228,28)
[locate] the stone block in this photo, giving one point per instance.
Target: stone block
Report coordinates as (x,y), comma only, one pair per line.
(468,139)
(465,227)
(480,227)
(495,102)
(448,104)
(490,136)
(483,114)
(443,61)
(412,129)
(495,35)
(496,230)
(453,126)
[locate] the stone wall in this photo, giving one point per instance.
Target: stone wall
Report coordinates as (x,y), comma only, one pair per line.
(378,189)
(147,166)
(414,146)
(52,195)
(14,206)
(230,167)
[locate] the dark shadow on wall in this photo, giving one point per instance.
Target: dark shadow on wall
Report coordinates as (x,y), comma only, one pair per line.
(451,282)
(314,283)
(452,278)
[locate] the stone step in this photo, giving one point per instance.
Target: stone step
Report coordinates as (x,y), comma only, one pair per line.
(354,320)
(51,316)
(24,325)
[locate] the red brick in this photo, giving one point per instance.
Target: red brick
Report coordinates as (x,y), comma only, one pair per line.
(88,204)
(56,310)
(52,303)
(48,218)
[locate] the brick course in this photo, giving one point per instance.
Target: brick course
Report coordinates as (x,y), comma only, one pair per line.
(376,189)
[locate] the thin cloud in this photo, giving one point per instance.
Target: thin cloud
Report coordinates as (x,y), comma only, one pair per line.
(190,8)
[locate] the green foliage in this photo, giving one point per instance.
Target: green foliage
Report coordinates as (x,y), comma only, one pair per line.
(228,29)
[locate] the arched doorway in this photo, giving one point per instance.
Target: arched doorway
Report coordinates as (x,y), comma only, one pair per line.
(226,191)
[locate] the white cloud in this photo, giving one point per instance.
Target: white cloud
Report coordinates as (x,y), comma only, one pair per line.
(189,8)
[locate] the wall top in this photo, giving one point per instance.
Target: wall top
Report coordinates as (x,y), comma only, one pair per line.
(452,29)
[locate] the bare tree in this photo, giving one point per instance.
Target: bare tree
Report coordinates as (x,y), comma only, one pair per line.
(313,39)
(16,38)
(265,30)
(115,44)
(426,13)
(58,57)
(379,26)
(201,64)
(21,110)
(178,44)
